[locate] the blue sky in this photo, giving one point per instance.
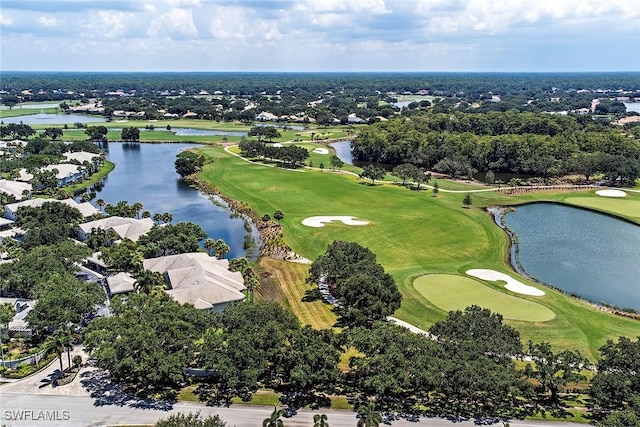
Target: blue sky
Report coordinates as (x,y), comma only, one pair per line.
(320,35)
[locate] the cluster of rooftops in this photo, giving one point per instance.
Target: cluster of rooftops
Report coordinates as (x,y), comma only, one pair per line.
(191,278)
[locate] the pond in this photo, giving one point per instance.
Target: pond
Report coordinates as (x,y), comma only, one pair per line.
(343,151)
(283,126)
(203,132)
(145,173)
(632,106)
(53,119)
(580,252)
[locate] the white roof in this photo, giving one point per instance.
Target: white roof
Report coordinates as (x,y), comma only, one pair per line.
(64,169)
(81,156)
(126,228)
(121,283)
(86,209)
(198,279)
(14,188)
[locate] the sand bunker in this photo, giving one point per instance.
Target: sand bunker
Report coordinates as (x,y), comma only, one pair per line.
(611,193)
(319,221)
(277,144)
(321,151)
(512,284)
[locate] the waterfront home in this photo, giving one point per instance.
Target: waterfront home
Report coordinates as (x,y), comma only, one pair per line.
(198,279)
(86,209)
(16,189)
(125,228)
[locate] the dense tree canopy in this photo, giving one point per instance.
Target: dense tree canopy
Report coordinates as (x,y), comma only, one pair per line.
(170,239)
(364,291)
(147,343)
(188,162)
(526,143)
(615,389)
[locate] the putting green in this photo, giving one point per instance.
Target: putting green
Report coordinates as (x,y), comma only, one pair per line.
(628,207)
(451,292)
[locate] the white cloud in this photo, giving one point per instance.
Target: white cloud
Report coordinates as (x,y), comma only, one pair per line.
(373,6)
(105,23)
(239,23)
(5,20)
(176,22)
(47,22)
(184,3)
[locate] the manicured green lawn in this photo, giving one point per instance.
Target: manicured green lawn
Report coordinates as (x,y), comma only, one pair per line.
(451,292)
(628,206)
(413,234)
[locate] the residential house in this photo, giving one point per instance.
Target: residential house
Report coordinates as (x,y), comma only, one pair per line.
(266,116)
(18,325)
(15,188)
(120,283)
(198,279)
(125,228)
(83,156)
(86,209)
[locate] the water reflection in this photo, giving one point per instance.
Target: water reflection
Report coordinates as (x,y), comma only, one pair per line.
(145,173)
(579,251)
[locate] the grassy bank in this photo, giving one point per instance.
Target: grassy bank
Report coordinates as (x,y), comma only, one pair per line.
(413,234)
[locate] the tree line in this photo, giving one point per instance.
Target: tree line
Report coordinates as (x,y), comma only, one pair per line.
(463,368)
(289,155)
(530,144)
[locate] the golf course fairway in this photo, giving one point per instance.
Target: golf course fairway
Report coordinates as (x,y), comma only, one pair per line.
(413,233)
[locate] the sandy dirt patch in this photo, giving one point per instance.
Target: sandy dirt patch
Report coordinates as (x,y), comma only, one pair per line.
(512,284)
(320,221)
(321,151)
(611,193)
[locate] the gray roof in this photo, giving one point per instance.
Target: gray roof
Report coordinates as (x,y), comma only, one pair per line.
(120,283)
(199,279)
(126,228)
(14,188)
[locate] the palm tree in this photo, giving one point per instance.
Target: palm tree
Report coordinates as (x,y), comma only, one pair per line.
(251,281)
(157,218)
(149,282)
(167,217)
(59,340)
(274,420)
(320,420)
(221,248)
(100,203)
(368,416)
(209,244)
(137,206)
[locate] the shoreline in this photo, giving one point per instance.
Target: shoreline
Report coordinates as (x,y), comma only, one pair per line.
(498,212)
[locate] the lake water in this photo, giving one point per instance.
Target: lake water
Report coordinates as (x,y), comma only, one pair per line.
(632,106)
(145,173)
(343,151)
(203,132)
(581,252)
(53,119)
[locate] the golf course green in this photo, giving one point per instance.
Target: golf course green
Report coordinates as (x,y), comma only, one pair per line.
(451,292)
(413,234)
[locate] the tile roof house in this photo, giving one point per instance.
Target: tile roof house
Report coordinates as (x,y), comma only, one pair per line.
(86,209)
(14,188)
(125,228)
(198,279)
(120,283)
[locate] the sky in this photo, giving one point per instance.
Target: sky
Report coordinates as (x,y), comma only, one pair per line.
(320,35)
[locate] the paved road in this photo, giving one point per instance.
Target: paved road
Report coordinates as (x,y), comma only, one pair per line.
(70,411)
(92,400)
